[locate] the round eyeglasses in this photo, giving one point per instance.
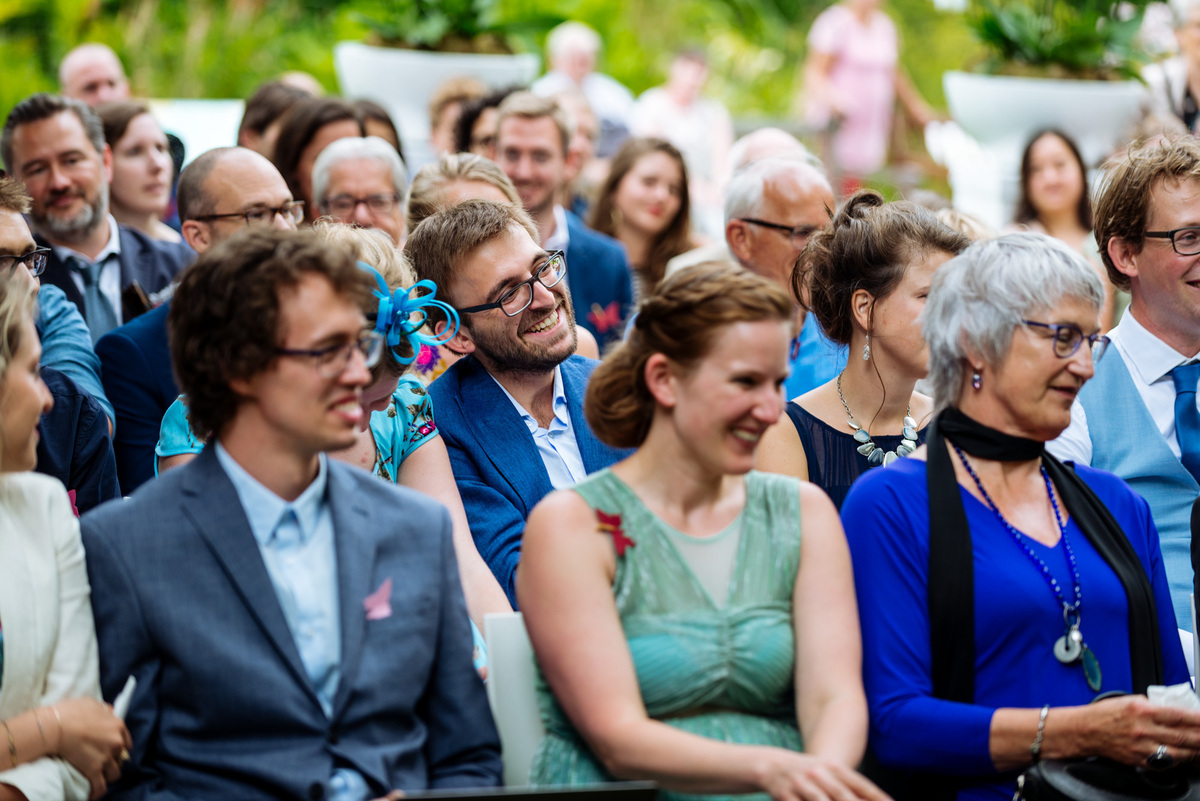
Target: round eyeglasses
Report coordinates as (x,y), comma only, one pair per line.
(292,211)
(517,299)
(333,360)
(1067,338)
(34,261)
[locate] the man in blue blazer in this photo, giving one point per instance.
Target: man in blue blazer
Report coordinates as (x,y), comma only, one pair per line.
(215,190)
(532,138)
(511,412)
(55,146)
(296,626)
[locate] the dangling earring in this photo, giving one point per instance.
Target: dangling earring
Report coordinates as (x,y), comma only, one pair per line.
(976,380)
(867,349)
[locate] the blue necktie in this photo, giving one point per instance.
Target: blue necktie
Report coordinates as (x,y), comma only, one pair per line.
(101,318)
(1187,417)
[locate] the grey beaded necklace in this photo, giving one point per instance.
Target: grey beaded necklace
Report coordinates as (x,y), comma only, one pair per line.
(875,455)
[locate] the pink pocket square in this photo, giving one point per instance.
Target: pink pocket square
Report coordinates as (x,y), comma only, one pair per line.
(379,603)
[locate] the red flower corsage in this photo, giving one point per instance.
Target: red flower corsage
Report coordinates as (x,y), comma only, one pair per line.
(611,524)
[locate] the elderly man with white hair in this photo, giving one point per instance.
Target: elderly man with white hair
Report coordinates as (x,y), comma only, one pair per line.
(361,181)
(573,49)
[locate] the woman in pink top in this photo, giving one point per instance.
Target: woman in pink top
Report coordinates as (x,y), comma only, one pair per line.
(851,80)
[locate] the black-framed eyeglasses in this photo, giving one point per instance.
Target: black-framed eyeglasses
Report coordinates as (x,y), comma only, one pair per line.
(344,205)
(798,234)
(333,360)
(292,211)
(1067,339)
(34,261)
(517,299)
(1186,240)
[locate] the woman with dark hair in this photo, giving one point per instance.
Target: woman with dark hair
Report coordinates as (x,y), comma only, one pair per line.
(476,128)
(58,740)
(1055,199)
(1000,591)
(644,204)
(142,171)
(865,278)
(717,601)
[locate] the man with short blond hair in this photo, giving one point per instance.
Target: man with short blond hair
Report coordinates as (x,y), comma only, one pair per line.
(533,148)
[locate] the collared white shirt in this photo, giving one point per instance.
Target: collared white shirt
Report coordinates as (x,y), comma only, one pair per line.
(557,444)
(110,275)
(561,238)
(1150,362)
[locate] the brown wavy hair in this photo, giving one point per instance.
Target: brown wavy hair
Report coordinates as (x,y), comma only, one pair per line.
(681,320)
(1026,213)
(676,237)
(868,245)
(224,319)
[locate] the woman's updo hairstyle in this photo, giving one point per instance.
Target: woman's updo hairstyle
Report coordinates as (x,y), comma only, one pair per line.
(868,245)
(681,320)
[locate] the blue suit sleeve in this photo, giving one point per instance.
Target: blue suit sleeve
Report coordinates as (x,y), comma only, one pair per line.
(94,467)
(129,380)
(890,552)
(67,344)
(463,747)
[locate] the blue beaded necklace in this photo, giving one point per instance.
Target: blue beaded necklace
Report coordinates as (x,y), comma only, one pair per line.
(1070,648)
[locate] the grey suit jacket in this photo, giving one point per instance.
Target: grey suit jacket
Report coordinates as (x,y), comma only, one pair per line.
(224,707)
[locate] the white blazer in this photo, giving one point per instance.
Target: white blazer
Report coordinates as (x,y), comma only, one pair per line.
(46,614)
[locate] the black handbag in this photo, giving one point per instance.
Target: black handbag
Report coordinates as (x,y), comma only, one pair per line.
(1098,779)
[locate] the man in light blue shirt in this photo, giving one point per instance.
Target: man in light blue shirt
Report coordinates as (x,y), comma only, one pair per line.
(511,412)
(296,626)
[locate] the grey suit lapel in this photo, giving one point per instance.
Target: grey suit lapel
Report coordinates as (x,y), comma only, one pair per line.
(211,503)
(355,544)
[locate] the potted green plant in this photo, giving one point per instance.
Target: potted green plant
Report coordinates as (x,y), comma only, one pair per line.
(413,46)
(1048,64)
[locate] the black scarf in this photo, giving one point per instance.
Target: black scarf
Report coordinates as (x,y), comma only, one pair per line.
(951,576)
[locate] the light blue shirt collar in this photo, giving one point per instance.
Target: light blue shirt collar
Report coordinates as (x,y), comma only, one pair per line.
(561,415)
(264,509)
(113,247)
(556,445)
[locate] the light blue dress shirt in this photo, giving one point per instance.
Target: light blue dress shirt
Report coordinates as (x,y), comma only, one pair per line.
(557,444)
(296,543)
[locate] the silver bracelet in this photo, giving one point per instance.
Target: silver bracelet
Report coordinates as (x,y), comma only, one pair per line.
(1035,750)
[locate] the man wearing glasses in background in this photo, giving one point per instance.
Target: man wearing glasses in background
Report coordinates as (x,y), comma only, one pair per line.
(511,412)
(295,625)
(55,146)
(361,182)
(1138,416)
(220,193)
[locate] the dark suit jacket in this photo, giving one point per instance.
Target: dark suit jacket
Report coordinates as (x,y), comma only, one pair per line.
(74,446)
(499,473)
(138,380)
(151,263)
(599,279)
(224,708)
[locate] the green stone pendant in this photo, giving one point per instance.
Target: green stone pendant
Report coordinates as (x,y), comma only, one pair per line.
(1091,669)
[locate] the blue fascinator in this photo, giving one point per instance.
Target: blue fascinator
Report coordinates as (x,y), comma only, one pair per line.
(403,312)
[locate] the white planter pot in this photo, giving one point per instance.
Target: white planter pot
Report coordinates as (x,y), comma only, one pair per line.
(403,81)
(1001,113)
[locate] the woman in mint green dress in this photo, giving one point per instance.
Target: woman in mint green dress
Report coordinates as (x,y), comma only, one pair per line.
(694,621)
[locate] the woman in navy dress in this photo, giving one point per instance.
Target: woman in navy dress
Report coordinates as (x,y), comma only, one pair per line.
(1001,591)
(865,278)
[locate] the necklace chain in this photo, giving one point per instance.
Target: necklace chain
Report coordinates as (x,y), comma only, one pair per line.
(867,447)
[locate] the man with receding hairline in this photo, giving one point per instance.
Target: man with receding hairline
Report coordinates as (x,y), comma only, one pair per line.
(92,73)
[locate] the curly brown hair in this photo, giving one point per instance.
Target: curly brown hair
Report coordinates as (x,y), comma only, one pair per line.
(1123,193)
(681,320)
(224,318)
(868,245)
(676,237)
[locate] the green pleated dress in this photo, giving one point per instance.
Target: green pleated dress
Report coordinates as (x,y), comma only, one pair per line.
(720,672)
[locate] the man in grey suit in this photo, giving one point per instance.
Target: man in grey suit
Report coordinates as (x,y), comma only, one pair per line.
(295,625)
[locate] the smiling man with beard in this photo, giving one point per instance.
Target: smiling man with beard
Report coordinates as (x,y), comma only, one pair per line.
(511,413)
(55,146)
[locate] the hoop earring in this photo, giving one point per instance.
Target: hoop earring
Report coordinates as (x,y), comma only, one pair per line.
(867,349)
(976,381)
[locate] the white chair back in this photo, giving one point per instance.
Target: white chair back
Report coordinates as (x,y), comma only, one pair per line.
(512,693)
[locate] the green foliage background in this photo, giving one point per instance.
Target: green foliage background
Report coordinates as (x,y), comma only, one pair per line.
(225,48)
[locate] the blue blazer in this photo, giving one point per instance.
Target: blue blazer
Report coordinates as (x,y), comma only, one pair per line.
(224,707)
(136,370)
(599,279)
(151,263)
(499,473)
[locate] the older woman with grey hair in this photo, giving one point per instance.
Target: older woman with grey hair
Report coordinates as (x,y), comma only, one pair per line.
(1001,591)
